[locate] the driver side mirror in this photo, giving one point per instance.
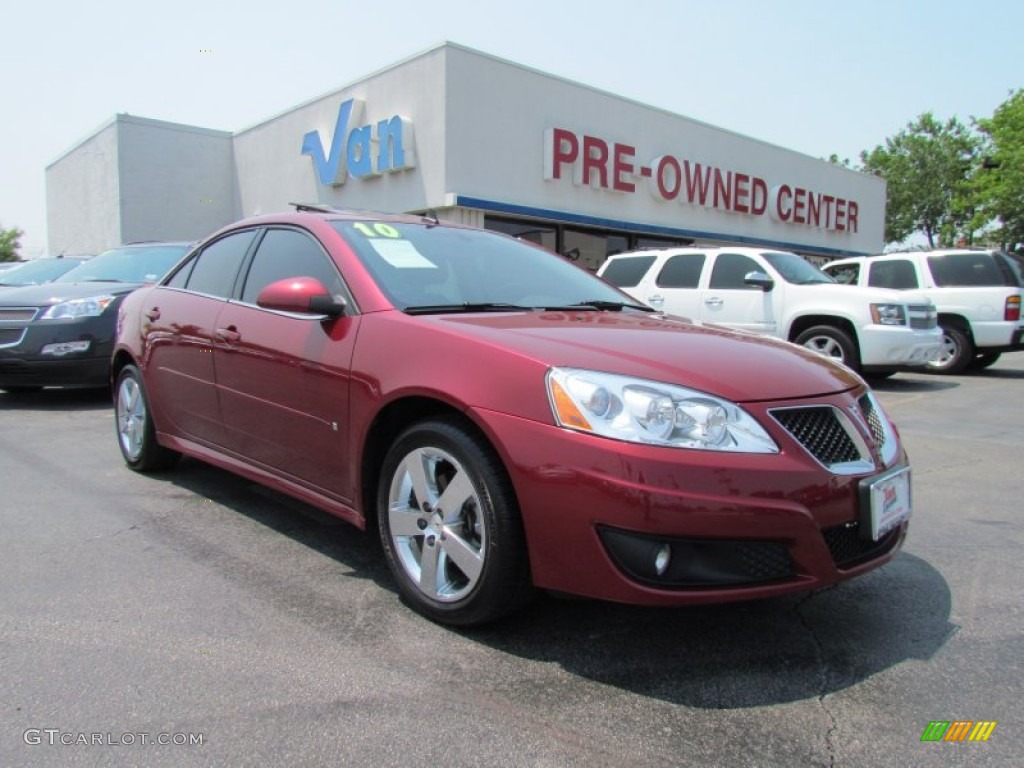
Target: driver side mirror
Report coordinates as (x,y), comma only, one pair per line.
(760,280)
(302,295)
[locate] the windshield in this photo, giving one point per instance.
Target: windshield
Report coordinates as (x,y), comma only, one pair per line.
(36,272)
(432,267)
(131,264)
(795,269)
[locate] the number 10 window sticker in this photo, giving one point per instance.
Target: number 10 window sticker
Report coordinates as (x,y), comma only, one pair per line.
(397,252)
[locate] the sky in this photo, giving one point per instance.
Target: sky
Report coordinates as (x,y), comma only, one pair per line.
(813,76)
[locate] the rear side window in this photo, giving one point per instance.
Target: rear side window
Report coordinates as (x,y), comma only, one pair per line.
(846,274)
(1015,264)
(898,273)
(627,272)
(730,270)
(970,269)
(681,271)
(216,267)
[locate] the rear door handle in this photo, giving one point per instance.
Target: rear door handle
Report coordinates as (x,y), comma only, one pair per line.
(714,301)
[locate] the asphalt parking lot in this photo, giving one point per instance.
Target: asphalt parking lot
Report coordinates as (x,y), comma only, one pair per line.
(196,608)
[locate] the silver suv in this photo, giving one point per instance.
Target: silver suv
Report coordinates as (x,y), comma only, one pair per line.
(977,293)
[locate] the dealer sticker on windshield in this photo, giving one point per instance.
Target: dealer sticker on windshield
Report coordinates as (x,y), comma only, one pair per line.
(887,502)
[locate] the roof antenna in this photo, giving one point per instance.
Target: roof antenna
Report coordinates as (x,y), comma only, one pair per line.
(431,218)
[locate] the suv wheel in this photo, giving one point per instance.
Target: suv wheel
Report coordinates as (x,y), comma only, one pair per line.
(831,342)
(984,360)
(957,352)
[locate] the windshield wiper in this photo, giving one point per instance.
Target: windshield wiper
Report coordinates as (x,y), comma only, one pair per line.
(466,306)
(601,305)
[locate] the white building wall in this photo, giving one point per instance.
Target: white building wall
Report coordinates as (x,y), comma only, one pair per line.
(498,113)
(83,196)
(273,172)
(176,181)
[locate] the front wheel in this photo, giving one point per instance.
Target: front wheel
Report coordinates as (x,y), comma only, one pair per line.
(956,354)
(831,342)
(136,435)
(450,525)
(984,360)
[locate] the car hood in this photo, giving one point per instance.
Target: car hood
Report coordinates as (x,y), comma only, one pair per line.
(880,295)
(742,367)
(53,293)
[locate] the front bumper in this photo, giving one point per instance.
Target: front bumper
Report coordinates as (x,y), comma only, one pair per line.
(898,347)
(743,526)
(37,354)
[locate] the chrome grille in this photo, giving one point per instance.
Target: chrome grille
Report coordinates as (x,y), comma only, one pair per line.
(923,316)
(829,436)
(17,314)
(872,418)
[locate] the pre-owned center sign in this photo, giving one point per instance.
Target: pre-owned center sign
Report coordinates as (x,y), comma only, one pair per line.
(593,162)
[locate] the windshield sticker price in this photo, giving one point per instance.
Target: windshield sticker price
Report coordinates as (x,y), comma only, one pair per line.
(401,254)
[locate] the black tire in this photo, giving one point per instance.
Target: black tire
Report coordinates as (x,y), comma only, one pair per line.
(831,342)
(136,435)
(984,360)
(957,352)
(476,567)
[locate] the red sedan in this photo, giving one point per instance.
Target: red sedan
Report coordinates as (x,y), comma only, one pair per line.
(506,419)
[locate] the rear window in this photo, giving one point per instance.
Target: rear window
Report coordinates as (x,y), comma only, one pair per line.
(971,269)
(627,272)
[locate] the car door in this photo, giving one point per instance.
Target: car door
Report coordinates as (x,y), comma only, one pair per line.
(674,285)
(283,378)
(728,300)
(181,318)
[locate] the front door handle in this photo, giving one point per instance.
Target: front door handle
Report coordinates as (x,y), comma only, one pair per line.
(229,334)
(153,314)
(714,301)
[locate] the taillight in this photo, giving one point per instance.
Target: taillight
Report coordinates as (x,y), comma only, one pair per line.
(1012,311)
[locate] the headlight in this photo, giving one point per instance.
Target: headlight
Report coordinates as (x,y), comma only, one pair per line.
(642,411)
(888,314)
(91,306)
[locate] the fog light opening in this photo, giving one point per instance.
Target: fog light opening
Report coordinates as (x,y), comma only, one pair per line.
(662,559)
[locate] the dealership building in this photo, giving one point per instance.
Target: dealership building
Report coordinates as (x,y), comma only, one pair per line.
(477,140)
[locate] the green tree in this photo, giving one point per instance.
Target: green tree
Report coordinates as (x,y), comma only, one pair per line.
(9,243)
(928,168)
(999,180)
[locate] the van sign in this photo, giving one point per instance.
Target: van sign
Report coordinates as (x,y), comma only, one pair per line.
(363,152)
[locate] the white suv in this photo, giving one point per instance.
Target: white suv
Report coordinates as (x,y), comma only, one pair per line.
(977,294)
(778,293)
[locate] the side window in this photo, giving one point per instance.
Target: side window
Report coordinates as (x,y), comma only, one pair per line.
(180,278)
(731,268)
(627,272)
(968,269)
(846,274)
(217,265)
(898,274)
(285,253)
(681,271)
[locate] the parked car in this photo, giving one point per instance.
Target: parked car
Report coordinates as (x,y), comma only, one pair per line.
(62,333)
(778,293)
(37,271)
(977,293)
(5,265)
(506,420)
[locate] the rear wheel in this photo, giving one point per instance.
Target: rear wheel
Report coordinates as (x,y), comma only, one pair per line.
(831,342)
(450,525)
(956,354)
(136,435)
